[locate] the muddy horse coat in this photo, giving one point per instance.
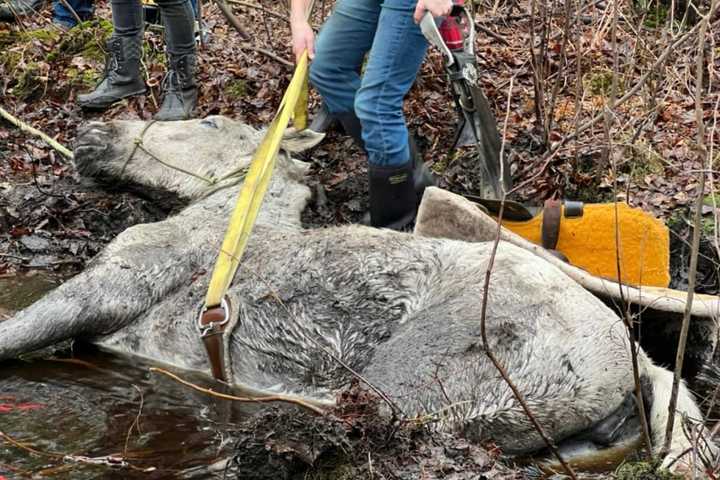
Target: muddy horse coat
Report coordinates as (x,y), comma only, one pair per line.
(402,310)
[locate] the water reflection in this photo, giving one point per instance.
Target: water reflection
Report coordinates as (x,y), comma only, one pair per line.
(91,404)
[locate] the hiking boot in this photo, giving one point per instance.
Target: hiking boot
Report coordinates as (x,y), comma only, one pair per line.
(11,9)
(393,201)
(180,89)
(122,77)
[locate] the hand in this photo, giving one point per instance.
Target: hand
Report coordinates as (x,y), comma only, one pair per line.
(303,38)
(438,8)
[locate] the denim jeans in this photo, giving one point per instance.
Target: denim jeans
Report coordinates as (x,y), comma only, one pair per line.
(61,15)
(397,48)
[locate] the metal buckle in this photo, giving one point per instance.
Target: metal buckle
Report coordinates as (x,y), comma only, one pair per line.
(204,329)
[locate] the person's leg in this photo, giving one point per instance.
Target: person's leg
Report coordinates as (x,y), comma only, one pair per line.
(397,176)
(339,53)
(395,58)
(11,9)
(64,17)
(180,96)
(122,73)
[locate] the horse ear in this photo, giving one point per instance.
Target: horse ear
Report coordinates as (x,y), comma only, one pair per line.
(297,141)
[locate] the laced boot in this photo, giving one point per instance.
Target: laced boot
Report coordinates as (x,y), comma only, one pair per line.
(122,77)
(180,89)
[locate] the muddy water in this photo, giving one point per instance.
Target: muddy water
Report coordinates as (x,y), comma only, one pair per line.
(93,404)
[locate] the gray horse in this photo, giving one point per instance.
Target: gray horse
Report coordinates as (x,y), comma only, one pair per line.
(309,306)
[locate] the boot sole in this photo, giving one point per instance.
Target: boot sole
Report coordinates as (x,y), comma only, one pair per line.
(104,105)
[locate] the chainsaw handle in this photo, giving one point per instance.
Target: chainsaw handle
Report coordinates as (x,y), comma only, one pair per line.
(432,34)
(430,30)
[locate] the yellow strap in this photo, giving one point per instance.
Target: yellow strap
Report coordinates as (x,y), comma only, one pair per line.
(293,105)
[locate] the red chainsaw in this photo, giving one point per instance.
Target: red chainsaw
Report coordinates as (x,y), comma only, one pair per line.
(454,36)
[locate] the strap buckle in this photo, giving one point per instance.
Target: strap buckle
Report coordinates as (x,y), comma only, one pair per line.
(208,324)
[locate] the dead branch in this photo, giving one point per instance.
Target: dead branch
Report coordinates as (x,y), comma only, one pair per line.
(483,321)
(107,460)
(692,273)
(34,131)
(232,19)
(261,8)
(266,399)
(498,366)
(625,305)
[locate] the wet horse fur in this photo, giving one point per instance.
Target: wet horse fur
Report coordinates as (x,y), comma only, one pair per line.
(402,310)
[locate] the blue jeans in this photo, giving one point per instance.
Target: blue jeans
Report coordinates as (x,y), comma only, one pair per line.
(84,9)
(397,48)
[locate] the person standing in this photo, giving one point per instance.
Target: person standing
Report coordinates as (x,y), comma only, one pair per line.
(123,77)
(369,107)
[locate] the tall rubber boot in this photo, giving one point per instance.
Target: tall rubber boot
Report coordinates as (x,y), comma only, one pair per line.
(122,76)
(180,89)
(396,192)
(351,124)
(422,177)
(393,200)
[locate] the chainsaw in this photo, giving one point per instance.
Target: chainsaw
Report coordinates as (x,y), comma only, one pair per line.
(454,36)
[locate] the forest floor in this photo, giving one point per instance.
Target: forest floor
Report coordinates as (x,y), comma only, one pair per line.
(643,152)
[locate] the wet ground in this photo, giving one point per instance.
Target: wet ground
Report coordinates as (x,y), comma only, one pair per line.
(93,404)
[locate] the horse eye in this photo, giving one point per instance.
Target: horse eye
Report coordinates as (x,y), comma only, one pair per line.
(208,122)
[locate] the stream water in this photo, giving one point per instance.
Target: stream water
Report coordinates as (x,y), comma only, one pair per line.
(93,404)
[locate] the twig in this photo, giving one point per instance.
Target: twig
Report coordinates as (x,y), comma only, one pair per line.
(629,94)
(261,8)
(232,19)
(108,460)
(72,11)
(498,366)
(625,306)
(492,34)
(34,131)
(136,423)
(692,273)
(268,54)
(212,393)
(483,321)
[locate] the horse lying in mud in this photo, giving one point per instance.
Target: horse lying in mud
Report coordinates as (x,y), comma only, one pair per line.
(402,310)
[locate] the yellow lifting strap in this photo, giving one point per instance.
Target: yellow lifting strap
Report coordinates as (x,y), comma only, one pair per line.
(293,106)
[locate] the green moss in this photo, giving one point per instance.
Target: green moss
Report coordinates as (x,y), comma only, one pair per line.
(712,200)
(47,36)
(236,89)
(28,81)
(643,471)
(87,40)
(82,79)
(599,82)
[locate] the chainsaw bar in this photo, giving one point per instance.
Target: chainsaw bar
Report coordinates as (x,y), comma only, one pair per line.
(477,125)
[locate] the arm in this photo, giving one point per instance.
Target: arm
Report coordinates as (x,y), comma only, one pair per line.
(303,38)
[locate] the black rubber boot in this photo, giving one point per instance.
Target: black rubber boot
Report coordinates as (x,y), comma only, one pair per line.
(397,209)
(422,176)
(322,120)
(351,124)
(393,200)
(122,76)
(11,9)
(180,89)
